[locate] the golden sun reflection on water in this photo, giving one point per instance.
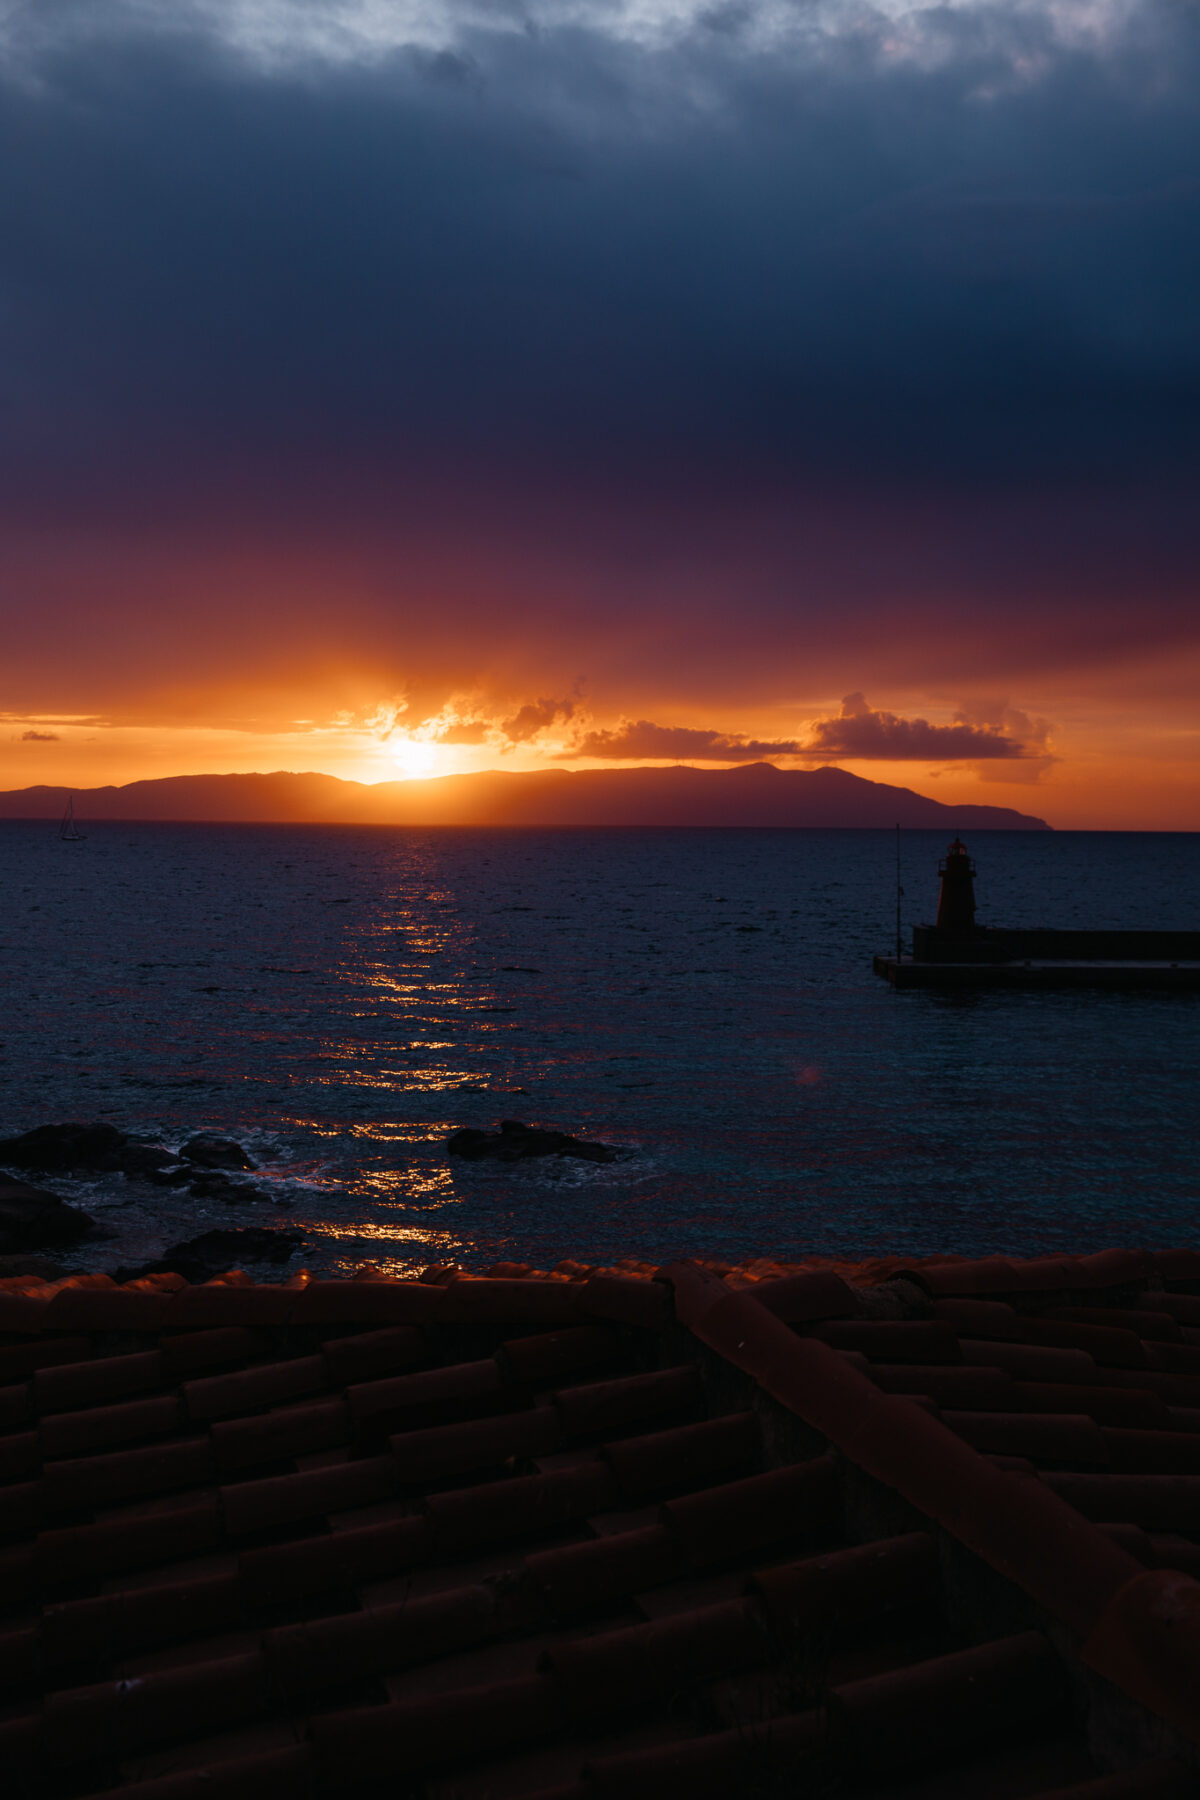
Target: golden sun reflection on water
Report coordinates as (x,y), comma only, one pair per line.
(411,1187)
(425,1245)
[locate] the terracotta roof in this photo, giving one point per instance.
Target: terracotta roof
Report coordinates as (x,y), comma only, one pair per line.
(916,1529)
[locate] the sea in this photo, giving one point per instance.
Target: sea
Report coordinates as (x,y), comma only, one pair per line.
(340,1000)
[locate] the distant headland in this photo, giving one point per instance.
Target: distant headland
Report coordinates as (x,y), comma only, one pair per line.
(756,794)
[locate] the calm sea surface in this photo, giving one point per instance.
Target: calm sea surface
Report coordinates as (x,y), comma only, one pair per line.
(340,1000)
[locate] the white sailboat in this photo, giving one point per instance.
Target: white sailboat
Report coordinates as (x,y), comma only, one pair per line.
(69,831)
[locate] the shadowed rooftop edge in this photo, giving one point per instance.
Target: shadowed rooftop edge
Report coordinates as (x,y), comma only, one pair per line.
(912,1529)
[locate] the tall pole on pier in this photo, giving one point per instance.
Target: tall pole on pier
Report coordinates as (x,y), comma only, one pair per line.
(899,897)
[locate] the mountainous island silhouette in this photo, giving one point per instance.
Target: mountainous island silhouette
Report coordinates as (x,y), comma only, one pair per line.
(756,794)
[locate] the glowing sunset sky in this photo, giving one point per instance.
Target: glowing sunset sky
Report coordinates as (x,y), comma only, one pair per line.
(423,387)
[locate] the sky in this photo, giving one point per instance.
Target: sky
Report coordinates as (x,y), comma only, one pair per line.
(404,387)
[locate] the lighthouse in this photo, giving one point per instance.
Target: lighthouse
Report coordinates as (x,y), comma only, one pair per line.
(956,899)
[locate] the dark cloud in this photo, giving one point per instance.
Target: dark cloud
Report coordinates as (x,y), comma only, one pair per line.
(861,733)
(40,737)
(537,349)
(536,716)
(979,256)
(641,740)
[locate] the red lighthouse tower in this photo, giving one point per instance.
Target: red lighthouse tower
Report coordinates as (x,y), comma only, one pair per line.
(956,898)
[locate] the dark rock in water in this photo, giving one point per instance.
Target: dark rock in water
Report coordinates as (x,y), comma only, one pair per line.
(31,1218)
(213,1185)
(212,1152)
(199,1259)
(97,1149)
(144,1160)
(514,1142)
(62,1147)
(178,1175)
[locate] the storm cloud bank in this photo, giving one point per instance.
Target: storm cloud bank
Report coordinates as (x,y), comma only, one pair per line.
(765,324)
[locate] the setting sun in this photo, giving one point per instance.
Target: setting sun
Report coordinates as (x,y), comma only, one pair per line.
(414,758)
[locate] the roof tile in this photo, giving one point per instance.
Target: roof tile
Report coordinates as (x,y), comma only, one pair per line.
(1174,1359)
(1014,1525)
(72,1385)
(368,1303)
(928,1341)
(1178,1265)
(19,1361)
(604,1407)
(20,1456)
(1150,1781)
(1183,1307)
(526,1507)
(20,1658)
(371,1743)
(442,1451)
(552,1356)
(134,1541)
(1032,1362)
(107,1309)
(1156,1502)
(687,1457)
(987,1275)
(965,1386)
(103,1427)
(620,1671)
(20,1508)
(370,1354)
(384,1639)
(1117,1268)
(117,1718)
(188,1353)
(448,1621)
(1134,1407)
(546,1303)
(1174,1390)
(844,1587)
(1143,1322)
(279,1436)
(626,1301)
(1050,1274)
(752,1757)
(979,1318)
(251,1506)
(1147,1640)
(961,1701)
(1153,1452)
(18,1575)
(802,1299)
(584,1578)
(86,1483)
(218,1304)
(427,1398)
(270,1384)
(744,1518)
(1054,1438)
(1106,1345)
(22,1312)
(279,1574)
(276,1775)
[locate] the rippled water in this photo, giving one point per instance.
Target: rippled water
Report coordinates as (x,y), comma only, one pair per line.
(341,999)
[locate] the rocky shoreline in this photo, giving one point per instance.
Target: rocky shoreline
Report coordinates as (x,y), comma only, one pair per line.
(36,1223)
